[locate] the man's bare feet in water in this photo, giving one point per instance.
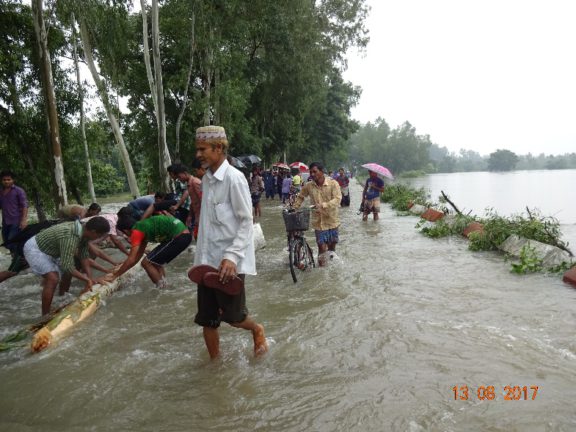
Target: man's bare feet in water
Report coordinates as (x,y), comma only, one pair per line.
(260,344)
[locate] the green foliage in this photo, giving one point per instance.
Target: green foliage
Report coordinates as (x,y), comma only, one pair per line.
(436,230)
(560,268)
(529,261)
(400,149)
(502,160)
(400,196)
(107,180)
(533,227)
(447,226)
(479,241)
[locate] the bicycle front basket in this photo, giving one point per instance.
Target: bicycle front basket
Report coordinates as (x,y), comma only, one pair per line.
(297,221)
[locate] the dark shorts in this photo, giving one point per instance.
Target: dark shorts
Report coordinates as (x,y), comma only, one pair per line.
(326,237)
(167,251)
(255,199)
(215,306)
(18,264)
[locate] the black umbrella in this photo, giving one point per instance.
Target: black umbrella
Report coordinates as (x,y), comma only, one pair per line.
(250,159)
(236,163)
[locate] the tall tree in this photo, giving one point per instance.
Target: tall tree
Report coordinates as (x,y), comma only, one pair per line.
(85,37)
(82,115)
(50,99)
(164,155)
(502,160)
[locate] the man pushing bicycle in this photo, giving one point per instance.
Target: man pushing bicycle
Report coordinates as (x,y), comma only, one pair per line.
(325,196)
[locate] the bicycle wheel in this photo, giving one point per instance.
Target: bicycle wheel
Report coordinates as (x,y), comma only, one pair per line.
(293,255)
(308,259)
(301,257)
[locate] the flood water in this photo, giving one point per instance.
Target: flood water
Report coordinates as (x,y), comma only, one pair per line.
(376,341)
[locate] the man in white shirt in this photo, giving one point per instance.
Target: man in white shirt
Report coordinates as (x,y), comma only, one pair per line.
(224,241)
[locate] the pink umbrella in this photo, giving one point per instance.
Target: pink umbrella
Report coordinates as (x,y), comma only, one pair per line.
(379,169)
(300,165)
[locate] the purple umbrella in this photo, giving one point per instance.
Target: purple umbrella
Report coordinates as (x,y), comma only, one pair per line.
(379,169)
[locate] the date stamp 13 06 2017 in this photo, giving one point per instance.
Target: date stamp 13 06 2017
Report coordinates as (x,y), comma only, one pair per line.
(507,393)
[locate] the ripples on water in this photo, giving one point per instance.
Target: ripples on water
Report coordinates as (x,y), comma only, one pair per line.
(374,342)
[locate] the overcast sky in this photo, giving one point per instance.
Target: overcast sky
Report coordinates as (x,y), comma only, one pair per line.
(479,75)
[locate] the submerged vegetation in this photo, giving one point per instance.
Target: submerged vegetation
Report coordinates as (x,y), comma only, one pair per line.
(401,197)
(495,228)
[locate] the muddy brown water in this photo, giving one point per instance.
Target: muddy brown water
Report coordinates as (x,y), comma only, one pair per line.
(375,341)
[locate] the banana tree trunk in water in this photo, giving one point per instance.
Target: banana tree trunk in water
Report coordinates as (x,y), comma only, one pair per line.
(134,191)
(75,312)
(50,97)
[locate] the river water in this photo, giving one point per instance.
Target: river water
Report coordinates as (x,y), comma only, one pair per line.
(376,341)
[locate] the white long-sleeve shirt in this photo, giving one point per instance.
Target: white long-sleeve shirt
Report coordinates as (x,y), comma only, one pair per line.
(225,230)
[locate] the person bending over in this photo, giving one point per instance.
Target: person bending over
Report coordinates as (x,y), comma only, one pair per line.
(51,253)
(170,232)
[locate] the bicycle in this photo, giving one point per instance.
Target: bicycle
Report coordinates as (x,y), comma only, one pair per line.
(300,252)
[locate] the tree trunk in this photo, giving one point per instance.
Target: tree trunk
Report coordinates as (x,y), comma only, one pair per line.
(109,112)
(208,79)
(50,98)
(207,93)
(75,312)
(147,57)
(163,153)
(186,87)
(216,104)
(82,117)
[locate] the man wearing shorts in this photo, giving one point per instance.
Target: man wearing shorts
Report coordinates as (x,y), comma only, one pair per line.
(325,196)
(371,195)
(170,232)
(51,253)
(225,241)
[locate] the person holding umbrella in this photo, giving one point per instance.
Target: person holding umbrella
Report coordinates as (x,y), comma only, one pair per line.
(371,195)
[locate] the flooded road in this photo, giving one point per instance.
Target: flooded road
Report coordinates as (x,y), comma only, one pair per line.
(376,341)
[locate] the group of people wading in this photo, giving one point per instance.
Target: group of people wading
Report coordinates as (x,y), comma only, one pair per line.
(214,204)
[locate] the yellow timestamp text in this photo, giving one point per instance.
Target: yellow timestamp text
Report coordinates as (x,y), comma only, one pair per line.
(489,392)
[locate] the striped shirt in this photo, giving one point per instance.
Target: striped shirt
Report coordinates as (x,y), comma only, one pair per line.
(63,241)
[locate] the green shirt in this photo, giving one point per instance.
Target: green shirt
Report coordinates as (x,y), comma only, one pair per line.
(63,241)
(160,228)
